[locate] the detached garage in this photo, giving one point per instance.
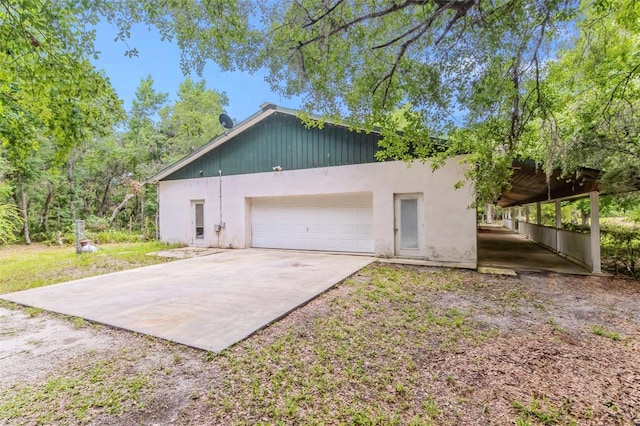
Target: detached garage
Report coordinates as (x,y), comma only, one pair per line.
(273,183)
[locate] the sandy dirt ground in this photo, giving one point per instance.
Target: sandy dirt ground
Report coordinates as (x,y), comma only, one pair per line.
(567,342)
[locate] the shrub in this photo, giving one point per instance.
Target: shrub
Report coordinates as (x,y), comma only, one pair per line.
(576,228)
(9,222)
(620,246)
(116,236)
(54,238)
(96,224)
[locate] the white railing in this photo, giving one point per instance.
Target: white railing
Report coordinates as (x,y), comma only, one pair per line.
(548,237)
(541,234)
(576,245)
(507,223)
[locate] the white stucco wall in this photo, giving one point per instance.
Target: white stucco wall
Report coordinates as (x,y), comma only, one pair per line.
(449,222)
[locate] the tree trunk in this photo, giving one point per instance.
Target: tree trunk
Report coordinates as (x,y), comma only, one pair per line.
(105,199)
(21,197)
(72,189)
(120,207)
(142,218)
(44,219)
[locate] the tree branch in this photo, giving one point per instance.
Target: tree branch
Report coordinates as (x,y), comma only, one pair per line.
(625,83)
(369,16)
(399,56)
(312,21)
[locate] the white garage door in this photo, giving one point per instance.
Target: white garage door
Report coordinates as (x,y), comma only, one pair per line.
(338,222)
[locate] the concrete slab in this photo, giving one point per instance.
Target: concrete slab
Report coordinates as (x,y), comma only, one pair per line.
(500,247)
(186,252)
(208,302)
(496,271)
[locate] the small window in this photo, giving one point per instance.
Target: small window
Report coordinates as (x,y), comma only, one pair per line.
(199,220)
(409,238)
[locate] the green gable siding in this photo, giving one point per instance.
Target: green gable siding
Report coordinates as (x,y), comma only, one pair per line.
(282,140)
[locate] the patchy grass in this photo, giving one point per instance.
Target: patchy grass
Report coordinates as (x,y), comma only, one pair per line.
(408,346)
(542,412)
(393,345)
(604,332)
(23,267)
(75,394)
(360,361)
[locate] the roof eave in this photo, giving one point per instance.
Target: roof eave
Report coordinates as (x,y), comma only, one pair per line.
(214,143)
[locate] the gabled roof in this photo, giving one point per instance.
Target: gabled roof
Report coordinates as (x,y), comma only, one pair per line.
(266,110)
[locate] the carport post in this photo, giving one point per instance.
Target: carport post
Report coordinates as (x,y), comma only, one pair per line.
(558,225)
(526,213)
(519,213)
(489,214)
(513,222)
(594,198)
(538,214)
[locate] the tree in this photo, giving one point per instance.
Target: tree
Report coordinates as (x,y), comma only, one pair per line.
(462,64)
(142,137)
(191,121)
(9,218)
(50,95)
(594,97)
(458,64)
(477,73)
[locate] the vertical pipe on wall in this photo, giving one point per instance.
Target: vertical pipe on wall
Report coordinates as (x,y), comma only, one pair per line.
(220,224)
(157,218)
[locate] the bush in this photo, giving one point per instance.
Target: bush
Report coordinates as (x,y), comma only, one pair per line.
(96,224)
(54,238)
(116,236)
(583,229)
(9,222)
(620,247)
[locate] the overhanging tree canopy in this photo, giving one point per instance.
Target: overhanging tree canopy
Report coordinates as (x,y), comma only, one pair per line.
(478,72)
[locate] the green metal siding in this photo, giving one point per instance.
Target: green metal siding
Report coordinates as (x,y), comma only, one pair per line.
(282,140)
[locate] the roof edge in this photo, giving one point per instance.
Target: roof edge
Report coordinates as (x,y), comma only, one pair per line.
(266,109)
(214,143)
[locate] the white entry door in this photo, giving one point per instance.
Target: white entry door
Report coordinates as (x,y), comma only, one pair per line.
(335,222)
(409,226)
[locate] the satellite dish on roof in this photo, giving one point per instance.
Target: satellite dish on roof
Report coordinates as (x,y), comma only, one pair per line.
(225,121)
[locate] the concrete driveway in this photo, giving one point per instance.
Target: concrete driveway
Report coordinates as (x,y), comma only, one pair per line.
(209,302)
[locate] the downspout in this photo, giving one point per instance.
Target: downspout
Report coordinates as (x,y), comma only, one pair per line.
(220,224)
(157,218)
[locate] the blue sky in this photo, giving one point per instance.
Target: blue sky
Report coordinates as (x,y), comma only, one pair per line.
(161,60)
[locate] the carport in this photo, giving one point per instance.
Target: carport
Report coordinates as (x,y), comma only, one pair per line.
(530,187)
(505,249)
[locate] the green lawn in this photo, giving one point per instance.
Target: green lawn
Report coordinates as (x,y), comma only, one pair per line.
(23,267)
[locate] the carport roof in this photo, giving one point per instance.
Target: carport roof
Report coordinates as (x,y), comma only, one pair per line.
(529,184)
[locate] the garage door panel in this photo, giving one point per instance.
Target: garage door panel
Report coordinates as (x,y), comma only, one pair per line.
(342,222)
